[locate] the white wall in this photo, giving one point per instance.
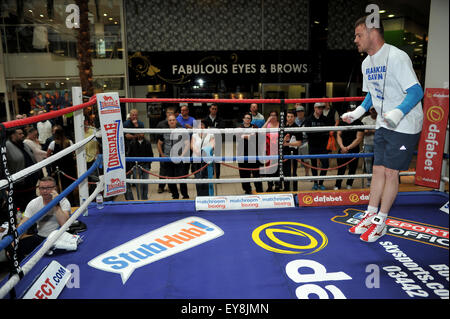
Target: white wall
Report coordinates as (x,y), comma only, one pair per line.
(438,46)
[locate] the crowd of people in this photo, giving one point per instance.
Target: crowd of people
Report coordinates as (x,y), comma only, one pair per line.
(206,144)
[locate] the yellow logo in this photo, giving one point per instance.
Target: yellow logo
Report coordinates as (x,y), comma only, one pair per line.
(435,114)
(310,241)
(308,199)
(354,198)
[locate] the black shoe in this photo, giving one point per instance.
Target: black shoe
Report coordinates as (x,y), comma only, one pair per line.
(277,189)
(185,197)
(248,192)
(160,190)
(175,197)
(269,189)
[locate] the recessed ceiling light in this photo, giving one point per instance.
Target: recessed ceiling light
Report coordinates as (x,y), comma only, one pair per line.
(382,11)
(105,14)
(391,16)
(41,15)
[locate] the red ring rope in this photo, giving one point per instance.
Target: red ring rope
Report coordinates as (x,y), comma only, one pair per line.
(49,115)
(247,101)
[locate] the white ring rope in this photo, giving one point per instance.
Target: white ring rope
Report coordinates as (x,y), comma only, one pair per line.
(48,243)
(39,165)
(248,130)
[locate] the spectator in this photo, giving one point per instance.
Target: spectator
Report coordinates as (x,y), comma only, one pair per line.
(166,148)
(132,122)
(272,149)
(331,114)
(40,101)
(257,118)
(32,140)
(49,102)
(370,119)
(184,119)
(291,143)
(57,100)
(348,142)
(55,218)
(318,142)
(164,124)
(303,149)
(20,156)
(214,121)
(44,129)
(140,147)
(248,168)
(67,164)
(202,144)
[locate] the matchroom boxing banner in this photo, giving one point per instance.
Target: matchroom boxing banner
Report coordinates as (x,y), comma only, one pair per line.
(112,143)
(432,139)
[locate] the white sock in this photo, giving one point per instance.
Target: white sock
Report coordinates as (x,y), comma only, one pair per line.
(372,209)
(382,215)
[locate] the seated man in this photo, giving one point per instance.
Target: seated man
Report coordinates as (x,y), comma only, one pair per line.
(55,218)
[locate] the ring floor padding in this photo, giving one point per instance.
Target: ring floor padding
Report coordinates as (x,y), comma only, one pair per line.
(325,258)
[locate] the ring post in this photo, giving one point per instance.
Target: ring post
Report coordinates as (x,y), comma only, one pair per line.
(78,125)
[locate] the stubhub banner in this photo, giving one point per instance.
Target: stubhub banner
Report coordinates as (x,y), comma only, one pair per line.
(113,143)
(155,245)
(244,202)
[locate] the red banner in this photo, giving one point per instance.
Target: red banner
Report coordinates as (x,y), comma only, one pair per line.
(333,198)
(432,139)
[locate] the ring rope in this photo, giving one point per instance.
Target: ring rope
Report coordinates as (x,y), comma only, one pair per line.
(39,165)
(242,101)
(49,115)
(247,130)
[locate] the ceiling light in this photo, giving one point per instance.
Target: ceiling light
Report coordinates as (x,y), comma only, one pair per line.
(30,11)
(391,16)
(41,15)
(110,19)
(382,11)
(105,14)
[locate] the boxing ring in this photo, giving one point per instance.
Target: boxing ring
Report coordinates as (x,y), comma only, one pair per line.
(180,250)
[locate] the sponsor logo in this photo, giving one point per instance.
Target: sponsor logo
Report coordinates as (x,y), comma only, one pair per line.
(112,136)
(410,230)
(50,282)
(333,198)
(435,114)
(109,105)
(115,186)
(432,138)
(244,202)
(289,238)
(155,245)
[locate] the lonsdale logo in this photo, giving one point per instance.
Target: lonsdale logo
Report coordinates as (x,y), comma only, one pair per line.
(289,238)
(435,114)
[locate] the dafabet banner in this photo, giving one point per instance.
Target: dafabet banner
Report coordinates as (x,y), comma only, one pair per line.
(432,139)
